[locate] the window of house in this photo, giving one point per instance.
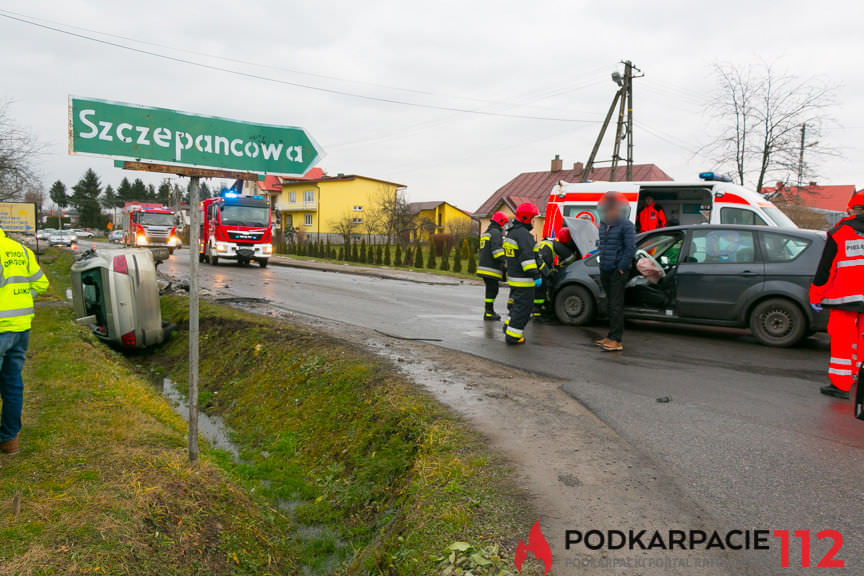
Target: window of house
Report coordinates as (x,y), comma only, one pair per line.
(292,196)
(740,216)
(357,220)
(307,219)
(722,246)
(358,208)
(309,196)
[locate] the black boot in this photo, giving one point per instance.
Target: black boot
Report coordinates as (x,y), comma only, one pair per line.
(491,316)
(831,390)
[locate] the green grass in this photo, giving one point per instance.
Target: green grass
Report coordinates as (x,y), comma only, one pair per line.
(380,476)
(103,480)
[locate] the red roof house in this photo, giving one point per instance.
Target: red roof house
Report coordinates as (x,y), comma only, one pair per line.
(833,197)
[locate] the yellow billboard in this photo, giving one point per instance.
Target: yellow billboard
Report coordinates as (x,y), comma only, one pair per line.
(18,217)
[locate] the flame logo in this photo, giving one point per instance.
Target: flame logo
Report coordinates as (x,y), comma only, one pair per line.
(538,545)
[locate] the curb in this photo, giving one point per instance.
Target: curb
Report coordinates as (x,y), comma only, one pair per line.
(404,276)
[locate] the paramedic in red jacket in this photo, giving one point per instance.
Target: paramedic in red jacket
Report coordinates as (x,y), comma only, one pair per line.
(651,217)
(839,286)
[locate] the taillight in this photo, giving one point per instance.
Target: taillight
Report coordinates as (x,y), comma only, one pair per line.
(129,339)
(121,267)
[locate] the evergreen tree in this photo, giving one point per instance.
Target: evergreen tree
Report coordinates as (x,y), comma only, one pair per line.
(58,194)
(85,199)
(124,191)
(418,255)
(430,261)
(204,191)
(465,249)
(355,256)
(457,260)
(151,193)
(445,261)
(342,253)
(379,255)
(363,251)
(407,257)
(472,263)
(397,260)
(163,193)
(387,256)
(138,190)
(328,249)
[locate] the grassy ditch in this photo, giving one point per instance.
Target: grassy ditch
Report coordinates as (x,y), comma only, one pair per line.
(102,484)
(376,476)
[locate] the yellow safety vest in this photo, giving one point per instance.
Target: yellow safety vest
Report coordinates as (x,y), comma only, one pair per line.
(19,274)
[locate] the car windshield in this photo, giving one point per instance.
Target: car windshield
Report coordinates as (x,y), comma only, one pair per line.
(252,216)
(156,219)
(779,218)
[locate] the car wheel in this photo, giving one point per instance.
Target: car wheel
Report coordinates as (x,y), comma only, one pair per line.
(574,305)
(778,322)
(263,263)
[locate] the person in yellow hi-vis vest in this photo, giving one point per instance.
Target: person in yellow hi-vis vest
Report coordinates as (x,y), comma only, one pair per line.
(20,275)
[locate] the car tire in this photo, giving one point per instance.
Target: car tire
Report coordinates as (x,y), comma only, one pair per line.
(778,322)
(574,305)
(263,263)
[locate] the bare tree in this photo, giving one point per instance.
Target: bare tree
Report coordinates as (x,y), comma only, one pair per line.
(373,220)
(397,221)
(345,227)
(18,148)
(761,117)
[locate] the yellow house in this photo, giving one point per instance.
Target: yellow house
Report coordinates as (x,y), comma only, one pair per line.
(438,217)
(324,207)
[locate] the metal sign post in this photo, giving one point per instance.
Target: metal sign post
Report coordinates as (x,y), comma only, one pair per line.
(194,233)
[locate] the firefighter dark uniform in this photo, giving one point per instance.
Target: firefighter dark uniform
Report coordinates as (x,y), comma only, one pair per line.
(523,274)
(839,285)
(551,255)
(491,262)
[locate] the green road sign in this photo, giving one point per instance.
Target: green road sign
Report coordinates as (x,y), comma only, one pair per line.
(159,135)
(18,217)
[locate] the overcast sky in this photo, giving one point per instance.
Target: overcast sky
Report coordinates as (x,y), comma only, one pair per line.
(545,59)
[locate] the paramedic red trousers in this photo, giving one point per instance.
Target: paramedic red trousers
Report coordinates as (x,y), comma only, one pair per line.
(846,329)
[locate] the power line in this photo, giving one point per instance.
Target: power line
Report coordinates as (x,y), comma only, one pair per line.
(323,89)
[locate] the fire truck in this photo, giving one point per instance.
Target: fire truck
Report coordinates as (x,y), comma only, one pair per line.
(236,227)
(712,199)
(148,225)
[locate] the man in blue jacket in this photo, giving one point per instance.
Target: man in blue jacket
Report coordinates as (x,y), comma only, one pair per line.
(617,247)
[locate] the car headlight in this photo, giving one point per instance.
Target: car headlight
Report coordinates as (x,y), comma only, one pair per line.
(221,248)
(174,240)
(141,239)
(268,249)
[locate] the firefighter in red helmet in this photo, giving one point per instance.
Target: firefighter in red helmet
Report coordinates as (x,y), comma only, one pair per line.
(553,254)
(522,272)
(491,262)
(839,286)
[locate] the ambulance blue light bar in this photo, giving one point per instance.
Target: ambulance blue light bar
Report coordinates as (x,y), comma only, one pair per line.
(712,177)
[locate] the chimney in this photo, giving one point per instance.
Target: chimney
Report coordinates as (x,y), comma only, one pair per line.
(578,168)
(557,164)
(812,184)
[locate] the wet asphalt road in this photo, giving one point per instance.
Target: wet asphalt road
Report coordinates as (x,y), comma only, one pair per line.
(746,434)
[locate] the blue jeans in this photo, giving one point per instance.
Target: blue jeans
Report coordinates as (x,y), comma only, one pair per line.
(13,347)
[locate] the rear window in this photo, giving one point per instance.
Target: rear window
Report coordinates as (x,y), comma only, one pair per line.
(721,247)
(781,247)
(740,216)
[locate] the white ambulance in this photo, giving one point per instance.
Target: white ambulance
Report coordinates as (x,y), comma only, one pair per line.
(711,200)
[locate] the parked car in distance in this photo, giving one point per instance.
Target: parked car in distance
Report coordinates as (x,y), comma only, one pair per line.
(82,233)
(752,277)
(115,236)
(62,238)
(45,233)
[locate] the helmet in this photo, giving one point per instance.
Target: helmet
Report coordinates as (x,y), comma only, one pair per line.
(856,200)
(526,212)
(500,218)
(564,235)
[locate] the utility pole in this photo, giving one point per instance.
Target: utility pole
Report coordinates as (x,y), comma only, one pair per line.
(193,318)
(801,157)
(623,99)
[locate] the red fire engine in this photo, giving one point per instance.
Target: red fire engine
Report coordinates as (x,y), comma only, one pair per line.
(236,227)
(148,225)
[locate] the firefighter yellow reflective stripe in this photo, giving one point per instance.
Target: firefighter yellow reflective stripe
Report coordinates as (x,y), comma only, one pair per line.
(514,332)
(16,313)
(539,301)
(529,264)
(490,272)
(489,300)
(498,253)
(518,282)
